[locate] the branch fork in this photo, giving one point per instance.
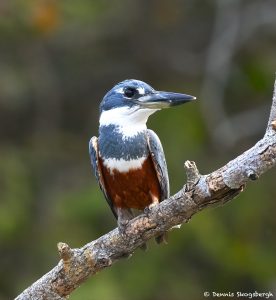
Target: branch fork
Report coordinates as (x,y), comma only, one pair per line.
(192,173)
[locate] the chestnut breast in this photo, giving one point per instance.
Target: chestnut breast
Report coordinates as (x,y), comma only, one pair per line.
(134,188)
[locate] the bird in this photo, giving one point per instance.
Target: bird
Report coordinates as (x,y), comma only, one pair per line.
(128,158)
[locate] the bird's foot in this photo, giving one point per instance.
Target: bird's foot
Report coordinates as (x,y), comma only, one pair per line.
(148,209)
(122,224)
(124,216)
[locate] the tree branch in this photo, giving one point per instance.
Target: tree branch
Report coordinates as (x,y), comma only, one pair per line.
(218,187)
(272,117)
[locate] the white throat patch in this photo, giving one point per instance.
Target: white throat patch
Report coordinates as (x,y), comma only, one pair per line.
(130,121)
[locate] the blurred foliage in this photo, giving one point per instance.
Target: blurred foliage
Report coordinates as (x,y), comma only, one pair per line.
(57,60)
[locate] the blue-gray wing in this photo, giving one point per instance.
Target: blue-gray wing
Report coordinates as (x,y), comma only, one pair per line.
(94,156)
(159,162)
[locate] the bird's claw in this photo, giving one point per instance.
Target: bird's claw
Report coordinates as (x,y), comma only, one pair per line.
(122,226)
(148,209)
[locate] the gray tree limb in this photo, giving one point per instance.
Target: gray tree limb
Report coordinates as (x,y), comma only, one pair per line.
(218,187)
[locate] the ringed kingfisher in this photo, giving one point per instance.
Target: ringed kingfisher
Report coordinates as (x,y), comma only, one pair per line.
(127,158)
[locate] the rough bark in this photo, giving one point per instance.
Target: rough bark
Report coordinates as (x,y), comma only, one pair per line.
(200,191)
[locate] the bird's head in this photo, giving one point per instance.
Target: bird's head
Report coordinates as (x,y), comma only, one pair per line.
(132,101)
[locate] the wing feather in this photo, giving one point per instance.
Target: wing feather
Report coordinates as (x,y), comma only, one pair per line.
(159,161)
(94,156)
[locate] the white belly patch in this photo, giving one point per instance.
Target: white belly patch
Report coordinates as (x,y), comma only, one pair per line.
(123,165)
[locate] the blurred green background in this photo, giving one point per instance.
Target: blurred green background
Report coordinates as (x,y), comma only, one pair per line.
(57,60)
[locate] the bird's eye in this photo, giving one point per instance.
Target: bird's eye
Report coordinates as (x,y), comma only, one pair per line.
(129,92)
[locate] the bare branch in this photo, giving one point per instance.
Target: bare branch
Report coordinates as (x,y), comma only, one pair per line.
(272,117)
(218,187)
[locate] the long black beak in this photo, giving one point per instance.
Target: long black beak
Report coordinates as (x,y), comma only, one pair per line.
(159,99)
